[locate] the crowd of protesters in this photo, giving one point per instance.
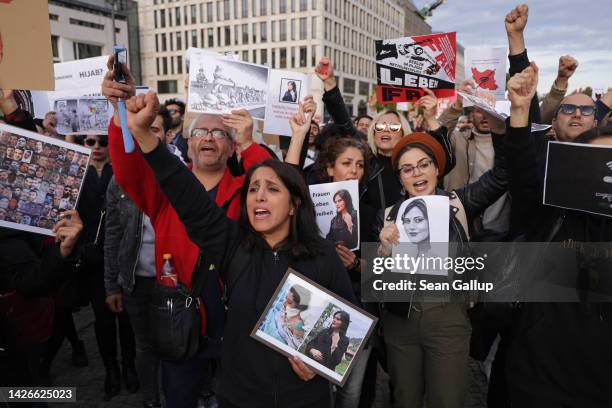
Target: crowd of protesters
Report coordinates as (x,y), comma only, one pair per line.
(234,218)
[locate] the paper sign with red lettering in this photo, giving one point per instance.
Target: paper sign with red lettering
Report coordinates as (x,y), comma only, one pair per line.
(26,60)
(487,68)
(406,65)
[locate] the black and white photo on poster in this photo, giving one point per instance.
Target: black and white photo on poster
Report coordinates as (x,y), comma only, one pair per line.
(286,89)
(337,211)
(83,115)
(40,177)
(219,85)
(423,226)
(325,331)
(588,186)
(290,90)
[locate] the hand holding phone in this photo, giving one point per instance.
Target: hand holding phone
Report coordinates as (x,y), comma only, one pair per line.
(121,58)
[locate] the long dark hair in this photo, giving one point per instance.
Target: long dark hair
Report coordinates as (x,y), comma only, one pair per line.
(346,196)
(304,236)
(346,320)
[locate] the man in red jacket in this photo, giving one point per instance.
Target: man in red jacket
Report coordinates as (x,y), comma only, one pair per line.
(212,140)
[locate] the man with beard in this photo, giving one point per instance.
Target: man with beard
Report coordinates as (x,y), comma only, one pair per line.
(176,108)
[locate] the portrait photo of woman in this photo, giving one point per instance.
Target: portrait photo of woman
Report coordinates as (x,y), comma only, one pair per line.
(329,346)
(344,227)
(291,94)
(416,222)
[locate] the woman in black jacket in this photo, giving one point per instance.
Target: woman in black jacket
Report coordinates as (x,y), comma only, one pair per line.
(276,230)
(330,344)
(345,224)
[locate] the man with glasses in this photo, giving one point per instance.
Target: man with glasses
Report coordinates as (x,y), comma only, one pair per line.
(175,136)
(212,140)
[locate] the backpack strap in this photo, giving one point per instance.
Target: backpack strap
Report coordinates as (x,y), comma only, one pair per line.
(460,213)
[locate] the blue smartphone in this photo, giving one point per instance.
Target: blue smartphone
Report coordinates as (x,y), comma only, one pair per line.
(121,58)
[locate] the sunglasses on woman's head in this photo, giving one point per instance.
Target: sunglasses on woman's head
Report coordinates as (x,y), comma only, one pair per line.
(393,127)
(102,142)
(570,109)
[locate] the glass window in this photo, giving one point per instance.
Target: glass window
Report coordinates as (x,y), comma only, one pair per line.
(348,86)
(177,16)
(313,56)
(211,37)
(303,33)
(163,42)
(55,47)
(194,14)
(263,57)
(171,65)
(236,34)
(179,45)
(245,56)
(254,10)
(303,5)
(293,30)
(167,87)
(185,14)
(263,7)
(254,33)
(209,12)
(314,27)
(228,36)
(364,88)
(282,6)
(245,8)
(194,38)
(157,66)
(179,64)
(226,9)
(245,34)
(162,18)
(303,56)
(155,18)
(164,66)
(218,10)
(282,30)
(171,42)
(273,33)
(283,58)
(263,32)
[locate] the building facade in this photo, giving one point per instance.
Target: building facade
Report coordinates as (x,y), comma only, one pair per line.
(84,29)
(283,34)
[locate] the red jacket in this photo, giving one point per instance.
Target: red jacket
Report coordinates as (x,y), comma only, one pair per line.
(136,178)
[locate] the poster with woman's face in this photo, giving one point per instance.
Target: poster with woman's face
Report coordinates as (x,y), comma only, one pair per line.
(337,210)
(423,224)
(306,320)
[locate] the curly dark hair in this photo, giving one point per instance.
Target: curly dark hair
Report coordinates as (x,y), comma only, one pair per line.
(334,147)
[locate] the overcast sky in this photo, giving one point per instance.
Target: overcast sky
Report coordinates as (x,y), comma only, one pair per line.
(555,27)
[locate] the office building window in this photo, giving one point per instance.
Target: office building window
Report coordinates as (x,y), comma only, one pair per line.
(163,42)
(348,86)
(282,30)
(263,7)
(179,64)
(254,11)
(167,87)
(164,66)
(219,10)
(304,5)
(228,36)
(55,48)
(303,57)
(194,38)
(171,65)
(157,66)
(364,88)
(218,36)
(282,6)
(194,15)
(245,34)
(263,57)
(236,34)
(313,56)
(179,42)
(155,18)
(263,32)
(171,42)
(292,50)
(273,31)
(211,37)
(303,31)
(293,30)
(245,8)
(283,58)
(177,16)
(273,65)
(209,12)
(254,33)
(226,9)
(313,27)
(162,18)
(245,56)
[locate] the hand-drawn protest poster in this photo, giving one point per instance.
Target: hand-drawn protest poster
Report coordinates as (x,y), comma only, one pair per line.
(405,65)
(219,85)
(25,45)
(40,177)
(285,90)
(337,210)
(487,68)
(302,318)
(588,189)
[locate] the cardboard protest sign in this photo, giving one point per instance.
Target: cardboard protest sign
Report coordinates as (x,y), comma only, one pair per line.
(337,210)
(25,45)
(302,327)
(40,177)
(423,224)
(219,85)
(404,65)
(579,177)
(487,68)
(285,90)
(85,115)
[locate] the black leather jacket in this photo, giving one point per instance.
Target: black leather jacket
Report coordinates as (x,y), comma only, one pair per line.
(122,242)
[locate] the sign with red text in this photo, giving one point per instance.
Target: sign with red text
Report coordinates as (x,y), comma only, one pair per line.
(406,65)
(26,60)
(286,89)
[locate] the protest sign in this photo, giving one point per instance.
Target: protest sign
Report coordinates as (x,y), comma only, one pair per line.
(73,79)
(337,210)
(285,90)
(25,45)
(500,110)
(423,223)
(219,85)
(487,68)
(579,177)
(405,65)
(85,115)
(298,321)
(40,177)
